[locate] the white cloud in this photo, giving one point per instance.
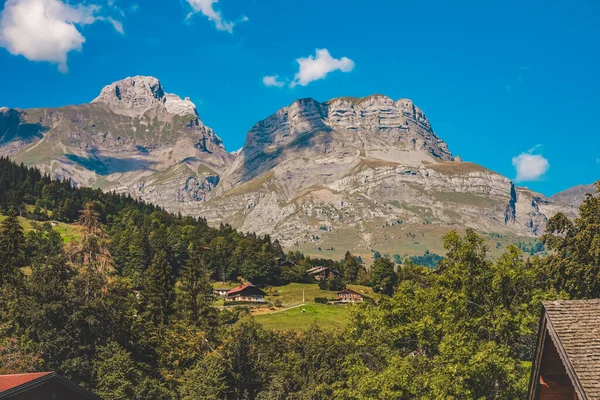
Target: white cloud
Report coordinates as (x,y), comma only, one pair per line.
(206,8)
(47,30)
(116,24)
(529,166)
(317,67)
(273,81)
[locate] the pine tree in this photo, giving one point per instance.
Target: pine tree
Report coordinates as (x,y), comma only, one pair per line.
(158,288)
(12,250)
(195,293)
(351,268)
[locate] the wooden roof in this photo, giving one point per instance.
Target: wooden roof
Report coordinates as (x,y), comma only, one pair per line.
(350,291)
(574,326)
(318,270)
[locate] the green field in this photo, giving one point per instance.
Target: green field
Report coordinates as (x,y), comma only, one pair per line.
(325,316)
(291,294)
(68,232)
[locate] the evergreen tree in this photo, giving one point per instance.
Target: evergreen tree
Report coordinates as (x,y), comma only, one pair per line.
(195,293)
(351,268)
(158,288)
(205,380)
(93,251)
(383,276)
(12,250)
(116,375)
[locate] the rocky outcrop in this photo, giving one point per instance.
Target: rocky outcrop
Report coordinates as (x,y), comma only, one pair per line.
(134,96)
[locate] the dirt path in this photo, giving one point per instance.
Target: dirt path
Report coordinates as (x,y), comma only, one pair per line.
(282,310)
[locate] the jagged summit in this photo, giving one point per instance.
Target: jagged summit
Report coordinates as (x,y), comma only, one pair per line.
(376,126)
(139,93)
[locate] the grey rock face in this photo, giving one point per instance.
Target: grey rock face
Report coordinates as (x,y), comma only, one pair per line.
(348,164)
(132,138)
(574,196)
(139,94)
(344,167)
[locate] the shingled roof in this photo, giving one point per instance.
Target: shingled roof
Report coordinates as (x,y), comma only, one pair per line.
(574,326)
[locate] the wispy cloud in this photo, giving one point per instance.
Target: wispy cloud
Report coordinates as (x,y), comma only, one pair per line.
(206,8)
(47,30)
(273,81)
(530,166)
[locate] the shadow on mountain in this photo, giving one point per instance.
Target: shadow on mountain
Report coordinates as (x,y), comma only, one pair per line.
(12,127)
(107,165)
(261,161)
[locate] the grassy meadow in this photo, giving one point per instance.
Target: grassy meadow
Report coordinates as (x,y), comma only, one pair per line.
(325,316)
(68,232)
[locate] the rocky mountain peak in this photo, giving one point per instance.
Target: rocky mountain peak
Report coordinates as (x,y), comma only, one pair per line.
(135,95)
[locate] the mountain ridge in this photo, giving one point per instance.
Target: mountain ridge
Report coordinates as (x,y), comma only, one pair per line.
(306,173)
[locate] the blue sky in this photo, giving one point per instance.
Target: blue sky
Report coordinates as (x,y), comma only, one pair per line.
(503,83)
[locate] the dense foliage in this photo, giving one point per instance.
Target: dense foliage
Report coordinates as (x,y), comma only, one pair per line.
(128,310)
(428,259)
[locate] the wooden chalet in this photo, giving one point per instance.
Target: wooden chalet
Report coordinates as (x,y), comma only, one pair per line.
(42,386)
(247,293)
(320,273)
(567,357)
(282,262)
(221,292)
(349,296)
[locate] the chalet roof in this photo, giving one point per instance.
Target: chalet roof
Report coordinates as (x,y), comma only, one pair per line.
(239,288)
(12,381)
(242,288)
(316,270)
(16,384)
(350,291)
(574,326)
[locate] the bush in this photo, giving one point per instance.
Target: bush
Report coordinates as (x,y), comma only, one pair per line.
(321,300)
(323,284)
(334,284)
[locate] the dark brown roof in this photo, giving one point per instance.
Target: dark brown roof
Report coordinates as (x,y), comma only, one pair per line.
(576,325)
(350,291)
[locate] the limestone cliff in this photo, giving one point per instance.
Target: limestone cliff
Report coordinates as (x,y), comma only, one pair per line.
(352,173)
